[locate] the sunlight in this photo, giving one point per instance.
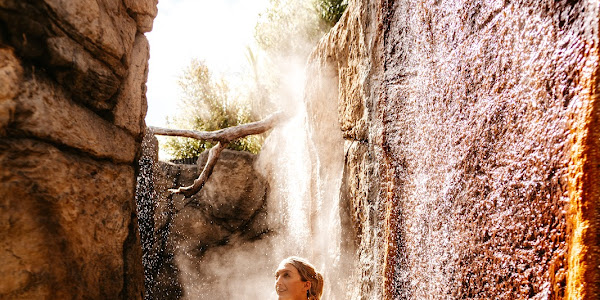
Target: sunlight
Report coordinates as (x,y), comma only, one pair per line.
(214,31)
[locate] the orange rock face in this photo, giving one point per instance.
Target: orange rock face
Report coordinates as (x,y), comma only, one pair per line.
(470,134)
(583,278)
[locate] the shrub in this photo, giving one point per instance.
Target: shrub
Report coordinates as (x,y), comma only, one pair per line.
(206,105)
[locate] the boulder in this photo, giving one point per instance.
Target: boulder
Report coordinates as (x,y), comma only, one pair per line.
(227,203)
(229,210)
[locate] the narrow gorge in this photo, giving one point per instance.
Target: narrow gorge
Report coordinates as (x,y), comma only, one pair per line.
(438,150)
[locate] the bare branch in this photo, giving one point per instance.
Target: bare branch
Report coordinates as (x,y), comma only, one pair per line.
(225,135)
(213,155)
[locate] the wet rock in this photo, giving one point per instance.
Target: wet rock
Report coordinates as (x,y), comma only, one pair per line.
(465,146)
(230,209)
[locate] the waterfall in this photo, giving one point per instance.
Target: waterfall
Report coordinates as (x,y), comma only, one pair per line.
(306,178)
(444,150)
(301,217)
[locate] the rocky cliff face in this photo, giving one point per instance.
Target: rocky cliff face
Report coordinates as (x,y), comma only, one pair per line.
(470,144)
(72,107)
(194,239)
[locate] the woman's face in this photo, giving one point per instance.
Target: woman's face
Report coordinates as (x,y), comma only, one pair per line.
(288,283)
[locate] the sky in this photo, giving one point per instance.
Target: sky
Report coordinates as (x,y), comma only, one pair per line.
(216,31)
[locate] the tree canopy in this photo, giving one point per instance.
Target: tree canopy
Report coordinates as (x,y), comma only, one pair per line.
(207,105)
(286,31)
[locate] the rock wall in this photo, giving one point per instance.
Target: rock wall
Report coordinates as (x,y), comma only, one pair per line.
(72,108)
(470,142)
(195,237)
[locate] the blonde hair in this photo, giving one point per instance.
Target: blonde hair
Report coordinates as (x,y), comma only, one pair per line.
(307,273)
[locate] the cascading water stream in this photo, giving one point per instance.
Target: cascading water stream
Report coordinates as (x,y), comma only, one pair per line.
(303,218)
(305,192)
(460,158)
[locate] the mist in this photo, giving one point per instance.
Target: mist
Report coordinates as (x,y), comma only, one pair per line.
(302,161)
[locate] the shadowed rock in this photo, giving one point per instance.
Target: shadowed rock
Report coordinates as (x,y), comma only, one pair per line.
(229,210)
(72,107)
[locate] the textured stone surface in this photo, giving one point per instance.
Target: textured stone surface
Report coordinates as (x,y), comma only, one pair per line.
(349,50)
(583,278)
(469,134)
(143,12)
(131,106)
(103,22)
(45,111)
(72,104)
(230,209)
(86,44)
(11,74)
(65,220)
(88,78)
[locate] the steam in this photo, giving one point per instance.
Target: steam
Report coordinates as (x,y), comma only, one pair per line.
(302,214)
(303,164)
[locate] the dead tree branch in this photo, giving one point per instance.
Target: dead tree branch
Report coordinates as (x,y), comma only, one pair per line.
(213,156)
(222,137)
(225,135)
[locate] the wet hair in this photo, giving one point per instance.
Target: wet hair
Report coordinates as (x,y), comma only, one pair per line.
(307,273)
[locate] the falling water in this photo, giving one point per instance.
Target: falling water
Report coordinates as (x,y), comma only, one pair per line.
(456,178)
(303,219)
(305,191)
(476,127)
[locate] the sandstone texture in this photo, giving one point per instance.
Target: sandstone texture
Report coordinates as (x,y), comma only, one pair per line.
(72,108)
(470,146)
(65,223)
(229,211)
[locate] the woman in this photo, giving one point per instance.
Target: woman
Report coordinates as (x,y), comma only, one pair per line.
(297,279)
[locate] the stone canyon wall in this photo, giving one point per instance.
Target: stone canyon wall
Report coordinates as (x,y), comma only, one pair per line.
(470,146)
(72,107)
(191,242)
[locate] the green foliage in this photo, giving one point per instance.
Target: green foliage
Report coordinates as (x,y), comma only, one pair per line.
(206,105)
(287,32)
(293,27)
(331,11)
(289,27)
